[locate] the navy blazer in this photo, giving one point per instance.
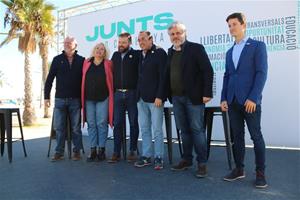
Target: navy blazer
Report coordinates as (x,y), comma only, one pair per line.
(197,72)
(68,77)
(248,79)
(151,80)
(125,70)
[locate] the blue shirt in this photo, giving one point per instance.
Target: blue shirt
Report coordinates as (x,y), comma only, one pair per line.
(237,50)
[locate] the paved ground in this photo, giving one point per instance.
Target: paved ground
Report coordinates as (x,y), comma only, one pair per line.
(35,177)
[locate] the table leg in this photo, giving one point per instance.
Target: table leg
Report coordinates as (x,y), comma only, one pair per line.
(209,123)
(168,124)
(227,137)
(2,133)
(21,130)
(8,125)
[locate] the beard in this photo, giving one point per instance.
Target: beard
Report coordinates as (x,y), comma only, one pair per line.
(69,50)
(122,49)
(177,42)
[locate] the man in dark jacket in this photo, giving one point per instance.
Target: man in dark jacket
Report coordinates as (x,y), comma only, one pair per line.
(190,78)
(125,64)
(151,95)
(67,69)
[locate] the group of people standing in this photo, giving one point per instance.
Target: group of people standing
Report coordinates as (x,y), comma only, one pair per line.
(140,81)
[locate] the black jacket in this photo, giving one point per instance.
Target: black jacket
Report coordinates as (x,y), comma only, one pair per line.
(126,70)
(197,72)
(152,74)
(68,78)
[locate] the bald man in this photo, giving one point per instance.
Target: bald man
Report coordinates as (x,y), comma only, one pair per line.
(67,69)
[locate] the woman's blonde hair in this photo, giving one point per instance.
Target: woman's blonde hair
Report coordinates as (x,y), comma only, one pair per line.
(106,52)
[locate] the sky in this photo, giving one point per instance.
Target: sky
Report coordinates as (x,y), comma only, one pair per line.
(12,61)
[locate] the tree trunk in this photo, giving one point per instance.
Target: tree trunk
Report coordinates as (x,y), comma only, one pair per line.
(29,117)
(45,70)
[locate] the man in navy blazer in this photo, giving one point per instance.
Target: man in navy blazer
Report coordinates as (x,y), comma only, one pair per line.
(151,97)
(244,79)
(189,85)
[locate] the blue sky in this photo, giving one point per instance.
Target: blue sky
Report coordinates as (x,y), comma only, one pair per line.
(12,61)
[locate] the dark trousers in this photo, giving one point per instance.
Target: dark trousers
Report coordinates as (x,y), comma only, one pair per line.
(189,120)
(125,101)
(238,116)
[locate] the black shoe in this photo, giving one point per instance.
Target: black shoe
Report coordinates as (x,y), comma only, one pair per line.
(101,154)
(93,156)
(202,171)
(182,165)
(143,161)
(234,175)
(260,181)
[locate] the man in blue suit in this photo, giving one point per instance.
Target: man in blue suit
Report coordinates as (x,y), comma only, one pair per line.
(243,83)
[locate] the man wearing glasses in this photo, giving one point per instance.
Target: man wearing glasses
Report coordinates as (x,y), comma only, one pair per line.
(190,78)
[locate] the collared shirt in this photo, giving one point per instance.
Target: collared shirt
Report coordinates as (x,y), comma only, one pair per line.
(144,54)
(237,50)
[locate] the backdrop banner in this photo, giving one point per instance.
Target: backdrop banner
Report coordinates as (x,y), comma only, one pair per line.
(274,22)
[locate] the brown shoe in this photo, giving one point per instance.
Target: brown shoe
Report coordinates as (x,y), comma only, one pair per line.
(76,156)
(202,171)
(57,157)
(182,165)
(101,154)
(132,157)
(114,159)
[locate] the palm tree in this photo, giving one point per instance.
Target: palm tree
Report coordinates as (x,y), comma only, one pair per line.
(24,18)
(46,33)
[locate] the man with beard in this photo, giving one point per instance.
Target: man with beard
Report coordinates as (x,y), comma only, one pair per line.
(190,79)
(125,64)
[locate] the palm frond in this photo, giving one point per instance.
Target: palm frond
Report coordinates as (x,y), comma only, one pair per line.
(12,34)
(8,3)
(30,21)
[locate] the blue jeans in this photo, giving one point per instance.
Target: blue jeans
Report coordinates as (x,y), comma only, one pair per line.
(238,116)
(151,118)
(189,120)
(97,119)
(63,108)
(125,101)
